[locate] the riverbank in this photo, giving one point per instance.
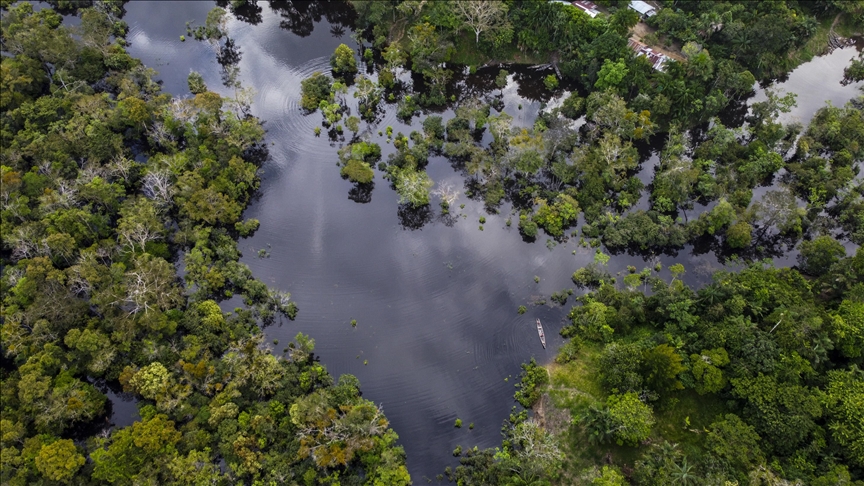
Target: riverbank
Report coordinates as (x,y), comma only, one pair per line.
(465,52)
(819,44)
(575,387)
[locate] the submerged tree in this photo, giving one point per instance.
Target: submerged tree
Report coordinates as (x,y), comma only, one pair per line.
(342,61)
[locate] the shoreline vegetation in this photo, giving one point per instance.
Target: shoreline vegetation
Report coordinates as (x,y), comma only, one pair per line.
(714,151)
(109,188)
(754,379)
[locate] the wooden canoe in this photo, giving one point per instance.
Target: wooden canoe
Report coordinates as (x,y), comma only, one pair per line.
(540,332)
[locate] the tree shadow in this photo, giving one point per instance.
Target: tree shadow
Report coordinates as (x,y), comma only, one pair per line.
(300,17)
(361,193)
(248,12)
(448,219)
(414,218)
(228,57)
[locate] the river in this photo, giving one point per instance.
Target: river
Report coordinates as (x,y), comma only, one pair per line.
(435,299)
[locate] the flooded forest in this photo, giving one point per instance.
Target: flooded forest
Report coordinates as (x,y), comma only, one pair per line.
(485,242)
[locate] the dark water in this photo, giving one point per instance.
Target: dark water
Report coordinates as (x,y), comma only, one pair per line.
(437,330)
(816,83)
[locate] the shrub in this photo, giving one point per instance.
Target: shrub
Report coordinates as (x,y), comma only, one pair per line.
(739,235)
(196,83)
(342,61)
(314,89)
(527,227)
(532,379)
(818,255)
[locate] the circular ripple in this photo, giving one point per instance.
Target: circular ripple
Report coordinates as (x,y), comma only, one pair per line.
(280,106)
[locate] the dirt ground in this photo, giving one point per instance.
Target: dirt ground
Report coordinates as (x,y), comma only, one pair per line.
(640,30)
(550,417)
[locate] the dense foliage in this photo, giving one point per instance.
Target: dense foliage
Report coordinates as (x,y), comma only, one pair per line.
(551,173)
(753,379)
(109,186)
(725,44)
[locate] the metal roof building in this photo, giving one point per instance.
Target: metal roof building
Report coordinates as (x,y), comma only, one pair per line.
(587,7)
(583,5)
(644,9)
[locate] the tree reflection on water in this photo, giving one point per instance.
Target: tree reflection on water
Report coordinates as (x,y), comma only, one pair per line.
(413,218)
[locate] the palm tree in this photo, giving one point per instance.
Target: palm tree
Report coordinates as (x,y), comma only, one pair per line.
(683,473)
(712,294)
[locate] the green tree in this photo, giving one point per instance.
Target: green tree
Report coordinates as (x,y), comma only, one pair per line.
(342,61)
(847,327)
(854,71)
(195,468)
(214,27)
(661,366)
(151,381)
(621,365)
(573,107)
(819,254)
(591,321)
(353,124)
(358,171)
(332,112)
(739,235)
(631,418)
(196,83)
(844,400)
(136,451)
(427,48)
(501,79)
(735,443)
(609,476)
(314,90)
(784,414)
(611,75)
(706,370)
(531,382)
(59,461)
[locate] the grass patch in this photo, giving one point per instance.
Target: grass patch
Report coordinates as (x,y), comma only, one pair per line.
(687,405)
(581,455)
(818,43)
(816,46)
(574,385)
(847,27)
(466,52)
(681,417)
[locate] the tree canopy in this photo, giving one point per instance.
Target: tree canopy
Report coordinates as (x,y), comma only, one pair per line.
(106,183)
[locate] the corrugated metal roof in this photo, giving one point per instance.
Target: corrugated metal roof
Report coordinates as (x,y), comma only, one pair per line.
(657,59)
(587,7)
(643,8)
